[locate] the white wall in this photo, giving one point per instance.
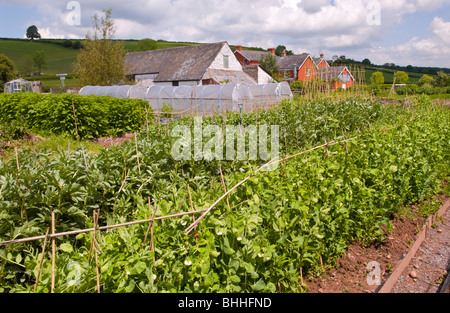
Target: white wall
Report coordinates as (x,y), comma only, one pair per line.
(233,63)
(263,77)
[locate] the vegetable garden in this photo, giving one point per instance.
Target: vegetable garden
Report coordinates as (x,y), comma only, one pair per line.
(345,167)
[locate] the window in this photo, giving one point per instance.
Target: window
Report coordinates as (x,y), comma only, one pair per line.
(308,72)
(226,61)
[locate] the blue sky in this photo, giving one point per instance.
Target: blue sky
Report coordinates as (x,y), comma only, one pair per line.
(413,32)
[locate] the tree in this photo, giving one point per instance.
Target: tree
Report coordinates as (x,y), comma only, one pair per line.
(401,77)
(32,33)
(100,61)
(7,72)
(27,65)
(147,44)
(279,50)
(377,78)
(40,60)
(442,79)
(269,63)
(425,79)
(366,62)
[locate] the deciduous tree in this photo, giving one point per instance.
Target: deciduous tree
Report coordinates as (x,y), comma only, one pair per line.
(100,61)
(401,77)
(377,78)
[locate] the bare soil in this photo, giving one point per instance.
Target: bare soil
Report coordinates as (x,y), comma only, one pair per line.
(424,274)
(109,141)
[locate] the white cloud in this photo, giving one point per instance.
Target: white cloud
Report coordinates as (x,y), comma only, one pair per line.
(332,26)
(431,51)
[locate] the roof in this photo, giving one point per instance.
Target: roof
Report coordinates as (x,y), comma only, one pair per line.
(174,64)
(232,77)
(328,73)
(252,55)
(289,61)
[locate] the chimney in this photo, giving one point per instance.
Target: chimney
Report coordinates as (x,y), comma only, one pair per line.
(322,55)
(283,54)
(271,50)
(238,48)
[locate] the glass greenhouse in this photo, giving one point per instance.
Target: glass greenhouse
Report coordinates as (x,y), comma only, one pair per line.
(199,99)
(18,85)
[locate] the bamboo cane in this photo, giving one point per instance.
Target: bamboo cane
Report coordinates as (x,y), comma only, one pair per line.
(137,153)
(76,126)
(53,252)
(42,259)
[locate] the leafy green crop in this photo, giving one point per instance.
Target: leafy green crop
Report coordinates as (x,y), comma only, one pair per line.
(277,225)
(95,116)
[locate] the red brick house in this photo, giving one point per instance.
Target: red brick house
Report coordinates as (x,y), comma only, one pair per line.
(300,67)
(321,62)
(338,76)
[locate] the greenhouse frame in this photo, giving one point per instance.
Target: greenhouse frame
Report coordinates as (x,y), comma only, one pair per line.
(18,85)
(202,100)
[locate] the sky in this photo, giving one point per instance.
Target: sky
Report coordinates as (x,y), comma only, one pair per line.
(415,32)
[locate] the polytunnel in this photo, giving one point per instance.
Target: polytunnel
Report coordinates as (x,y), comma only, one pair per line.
(265,95)
(122,92)
(199,100)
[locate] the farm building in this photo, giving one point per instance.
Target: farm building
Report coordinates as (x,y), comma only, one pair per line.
(205,64)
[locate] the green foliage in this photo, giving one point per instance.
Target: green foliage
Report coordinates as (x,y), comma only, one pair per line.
(281,222)
(400,77)
(147,44)
(425,79)
(269,63)
(40,60)
(32,33)
(96,116)
(377,78)
(7,72)
(100,62)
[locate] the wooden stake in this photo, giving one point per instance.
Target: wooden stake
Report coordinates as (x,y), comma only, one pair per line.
(137,153)
(17,161)
(224,187)
(42,259)
(53,252)
(76,126)
(95,218)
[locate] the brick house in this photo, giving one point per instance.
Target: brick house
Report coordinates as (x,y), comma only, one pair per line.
(338,76)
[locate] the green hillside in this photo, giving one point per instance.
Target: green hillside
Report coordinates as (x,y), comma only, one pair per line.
(59,58)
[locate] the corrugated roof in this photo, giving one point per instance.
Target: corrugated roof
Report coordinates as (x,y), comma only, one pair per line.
(174,64)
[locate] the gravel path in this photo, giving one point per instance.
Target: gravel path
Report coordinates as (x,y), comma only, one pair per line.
(431,263)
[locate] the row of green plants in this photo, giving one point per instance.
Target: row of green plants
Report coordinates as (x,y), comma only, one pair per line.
(277,226)
(94,116)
